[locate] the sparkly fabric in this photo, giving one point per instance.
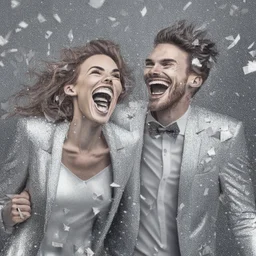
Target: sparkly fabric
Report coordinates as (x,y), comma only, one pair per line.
(34,161)
(75,209)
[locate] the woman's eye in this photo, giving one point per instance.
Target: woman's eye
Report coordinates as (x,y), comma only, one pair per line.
(95,71)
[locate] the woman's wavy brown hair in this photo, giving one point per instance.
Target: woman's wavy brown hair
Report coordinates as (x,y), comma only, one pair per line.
(46,97)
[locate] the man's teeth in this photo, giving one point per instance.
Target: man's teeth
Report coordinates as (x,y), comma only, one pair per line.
(155,82)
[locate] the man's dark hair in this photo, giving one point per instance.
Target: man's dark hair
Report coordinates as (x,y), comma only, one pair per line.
(201,50)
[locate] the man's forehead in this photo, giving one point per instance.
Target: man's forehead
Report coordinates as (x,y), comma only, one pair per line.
(167,51)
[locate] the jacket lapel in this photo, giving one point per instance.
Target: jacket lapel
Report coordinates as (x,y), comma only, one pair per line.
(191,151)
(53,172)
(121,143)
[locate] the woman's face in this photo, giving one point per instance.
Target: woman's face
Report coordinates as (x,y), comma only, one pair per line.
(98,88)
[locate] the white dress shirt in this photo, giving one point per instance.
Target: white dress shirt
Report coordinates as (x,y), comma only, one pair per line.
(160,173)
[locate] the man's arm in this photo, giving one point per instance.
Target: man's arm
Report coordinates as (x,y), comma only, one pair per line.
(237,189)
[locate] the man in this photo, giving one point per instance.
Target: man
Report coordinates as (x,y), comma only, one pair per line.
(192,158)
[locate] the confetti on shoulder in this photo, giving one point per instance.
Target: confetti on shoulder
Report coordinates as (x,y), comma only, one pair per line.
(115,185)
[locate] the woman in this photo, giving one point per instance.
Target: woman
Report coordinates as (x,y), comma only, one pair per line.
(78,170)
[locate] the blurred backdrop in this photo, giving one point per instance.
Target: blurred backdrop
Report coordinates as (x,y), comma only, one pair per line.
(34,30)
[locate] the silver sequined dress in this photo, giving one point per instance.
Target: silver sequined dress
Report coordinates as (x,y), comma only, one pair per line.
(77,204)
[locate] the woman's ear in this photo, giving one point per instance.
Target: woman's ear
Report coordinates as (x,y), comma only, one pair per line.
(70,90)
(195,81)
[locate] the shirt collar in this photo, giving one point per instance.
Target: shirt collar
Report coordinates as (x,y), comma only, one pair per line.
(181,122)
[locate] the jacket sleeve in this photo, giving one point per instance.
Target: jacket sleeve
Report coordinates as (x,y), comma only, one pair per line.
(13,164)
(238,194)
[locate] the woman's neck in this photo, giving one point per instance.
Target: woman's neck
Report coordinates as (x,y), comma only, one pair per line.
(84,135)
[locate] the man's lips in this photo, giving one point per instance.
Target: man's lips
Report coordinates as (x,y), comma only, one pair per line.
(158,86)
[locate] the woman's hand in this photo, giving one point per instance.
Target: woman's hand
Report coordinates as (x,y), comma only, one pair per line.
(17,210)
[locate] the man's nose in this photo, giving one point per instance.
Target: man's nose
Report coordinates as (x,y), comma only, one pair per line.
(156,69)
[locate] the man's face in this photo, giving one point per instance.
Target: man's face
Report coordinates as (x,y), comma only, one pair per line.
(166,75)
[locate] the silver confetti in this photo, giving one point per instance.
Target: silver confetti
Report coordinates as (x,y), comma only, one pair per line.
(211,152)
(143,11)
(196,62)
(96,3)
(23,24)
(70,35)
(114,185)
(95,210)
(14,4)
(236,40)
(251,67)
(186,6)
(57,245)
(57,17)
(41,18)
(251,45)
(48,34)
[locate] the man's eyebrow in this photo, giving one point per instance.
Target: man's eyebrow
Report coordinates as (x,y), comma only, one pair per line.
(115,70)
(148,61)
(168,60)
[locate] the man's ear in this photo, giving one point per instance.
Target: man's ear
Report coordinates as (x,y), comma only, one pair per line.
(70,90)
(195,81)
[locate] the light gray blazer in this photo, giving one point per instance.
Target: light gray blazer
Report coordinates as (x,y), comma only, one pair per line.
(210,177)
(34,162)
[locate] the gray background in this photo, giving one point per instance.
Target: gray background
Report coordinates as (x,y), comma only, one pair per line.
(227,90)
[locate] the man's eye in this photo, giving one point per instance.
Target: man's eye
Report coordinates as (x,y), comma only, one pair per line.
(116,75)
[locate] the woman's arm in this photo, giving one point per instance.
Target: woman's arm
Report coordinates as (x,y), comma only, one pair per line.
(14,172)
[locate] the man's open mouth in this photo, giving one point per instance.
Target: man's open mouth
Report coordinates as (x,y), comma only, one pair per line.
(158,87)
(102,98)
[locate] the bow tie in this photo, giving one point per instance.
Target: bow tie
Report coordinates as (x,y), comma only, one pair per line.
(155,130)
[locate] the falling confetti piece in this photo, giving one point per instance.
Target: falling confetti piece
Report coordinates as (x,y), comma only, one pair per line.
(48,34)
(3,41)
(89,252)
(206,192)
(211,152)
(114,185)
(230,38)
(65,227)
(251,45)
(115,24)
(207,120)
(14,4)
(112,19)
(142,197)
(23,24)
(208,160)
(225,135)
(49,49)
(186,6)
(2,65)
(251,67)
(95,210)
(70,35)
(253,53)
(223,6)
(3,54)
(13,50)
(236,40)
(233,10)
(41,18)
(57,17)
(17,30)
(96,3)
(66,210)
(196,42)
(143,11)
(196,62)
(57,245)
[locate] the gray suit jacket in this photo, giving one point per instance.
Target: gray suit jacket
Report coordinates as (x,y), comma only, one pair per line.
(214,169)
(34,162)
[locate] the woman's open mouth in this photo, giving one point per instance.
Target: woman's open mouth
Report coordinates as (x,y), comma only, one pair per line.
(102,98)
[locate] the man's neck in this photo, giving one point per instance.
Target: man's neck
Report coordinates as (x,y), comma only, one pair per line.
(171,114)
